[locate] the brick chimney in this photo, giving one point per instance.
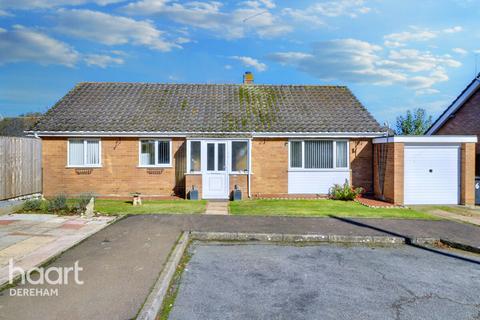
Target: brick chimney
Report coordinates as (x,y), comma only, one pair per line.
(248,78)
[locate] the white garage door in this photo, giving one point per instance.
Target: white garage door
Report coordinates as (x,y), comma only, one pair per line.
(431,174)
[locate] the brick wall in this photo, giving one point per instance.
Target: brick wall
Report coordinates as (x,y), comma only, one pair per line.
(269,166)
(361,168)
(119,174)
(242,181)
(392,190)
(193,180)
(467,185)
(466,121)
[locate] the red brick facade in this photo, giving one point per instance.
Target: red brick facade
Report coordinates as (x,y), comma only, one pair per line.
(120,174)
(466,121)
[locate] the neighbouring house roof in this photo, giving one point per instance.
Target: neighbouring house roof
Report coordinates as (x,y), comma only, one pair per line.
(472,87)
(209,108)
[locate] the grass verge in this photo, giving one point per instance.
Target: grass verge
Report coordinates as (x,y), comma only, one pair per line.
(172,292)
(116,207)
(321,208)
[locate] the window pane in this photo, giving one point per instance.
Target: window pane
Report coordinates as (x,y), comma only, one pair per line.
(163,152)
(195,156)
(296,154)
(221,157)
(75,153)
(93,152)
(147,156)
(210,156)
(318,154)
(239,156)
(341,154)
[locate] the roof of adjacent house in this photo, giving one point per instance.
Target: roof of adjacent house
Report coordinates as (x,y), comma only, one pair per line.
(463,97)
(209,108)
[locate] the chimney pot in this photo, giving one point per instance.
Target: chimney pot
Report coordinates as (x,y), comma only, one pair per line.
(248,77)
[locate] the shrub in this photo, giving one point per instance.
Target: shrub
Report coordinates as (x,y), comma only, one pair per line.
(58,204)
(345,192)
(32,205)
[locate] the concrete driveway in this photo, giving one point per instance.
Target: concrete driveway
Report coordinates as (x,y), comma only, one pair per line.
(252,281)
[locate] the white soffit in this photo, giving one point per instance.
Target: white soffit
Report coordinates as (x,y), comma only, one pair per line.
(427,139)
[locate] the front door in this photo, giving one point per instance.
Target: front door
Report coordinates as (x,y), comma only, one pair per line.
(214,173)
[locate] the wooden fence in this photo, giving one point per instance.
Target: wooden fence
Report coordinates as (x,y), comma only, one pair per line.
(20,167)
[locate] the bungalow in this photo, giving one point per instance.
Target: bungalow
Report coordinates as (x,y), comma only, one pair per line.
(162,140)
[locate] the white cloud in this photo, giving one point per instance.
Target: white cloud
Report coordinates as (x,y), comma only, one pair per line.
(228,67)
(460,51)
(45,4)
(316,13)
(304,16)
(182,40)
(4,13)
(416,34)
(111,30)
(251,17)
(24,44)
(259,3)
(453,29)
(351,8)
(352,60)
(102,60)
(251,62)
(427,91)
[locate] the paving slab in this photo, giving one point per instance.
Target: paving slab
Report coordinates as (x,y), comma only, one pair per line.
(29,240)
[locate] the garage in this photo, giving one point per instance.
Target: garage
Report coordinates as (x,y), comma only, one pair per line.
(432,174)
(415,170)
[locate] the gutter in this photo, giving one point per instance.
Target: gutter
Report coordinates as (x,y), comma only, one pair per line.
(186,134)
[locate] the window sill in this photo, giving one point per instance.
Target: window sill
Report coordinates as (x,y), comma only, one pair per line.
(239,172)
(155,167)
(193,173)
(84,167)
(319,170)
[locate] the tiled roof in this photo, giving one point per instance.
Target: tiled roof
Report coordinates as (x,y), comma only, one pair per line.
(149,107)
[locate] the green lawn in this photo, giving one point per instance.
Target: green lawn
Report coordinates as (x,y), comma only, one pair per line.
(320,208)
(153,206)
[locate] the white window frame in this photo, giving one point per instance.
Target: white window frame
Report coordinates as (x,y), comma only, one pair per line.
(156,165)
(229,155)
(84,165)
(189,157)
(334,146)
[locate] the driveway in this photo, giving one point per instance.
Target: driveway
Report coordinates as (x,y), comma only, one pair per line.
(28,240)
(252,281)
(121,262)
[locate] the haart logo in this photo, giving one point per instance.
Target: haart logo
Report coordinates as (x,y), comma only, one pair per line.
(54,276)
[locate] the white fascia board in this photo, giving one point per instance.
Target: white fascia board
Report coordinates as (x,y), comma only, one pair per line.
(319,135)
(186,134)
(426,139)
(457,104)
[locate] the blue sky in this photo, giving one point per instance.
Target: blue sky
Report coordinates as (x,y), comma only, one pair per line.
(394,55)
